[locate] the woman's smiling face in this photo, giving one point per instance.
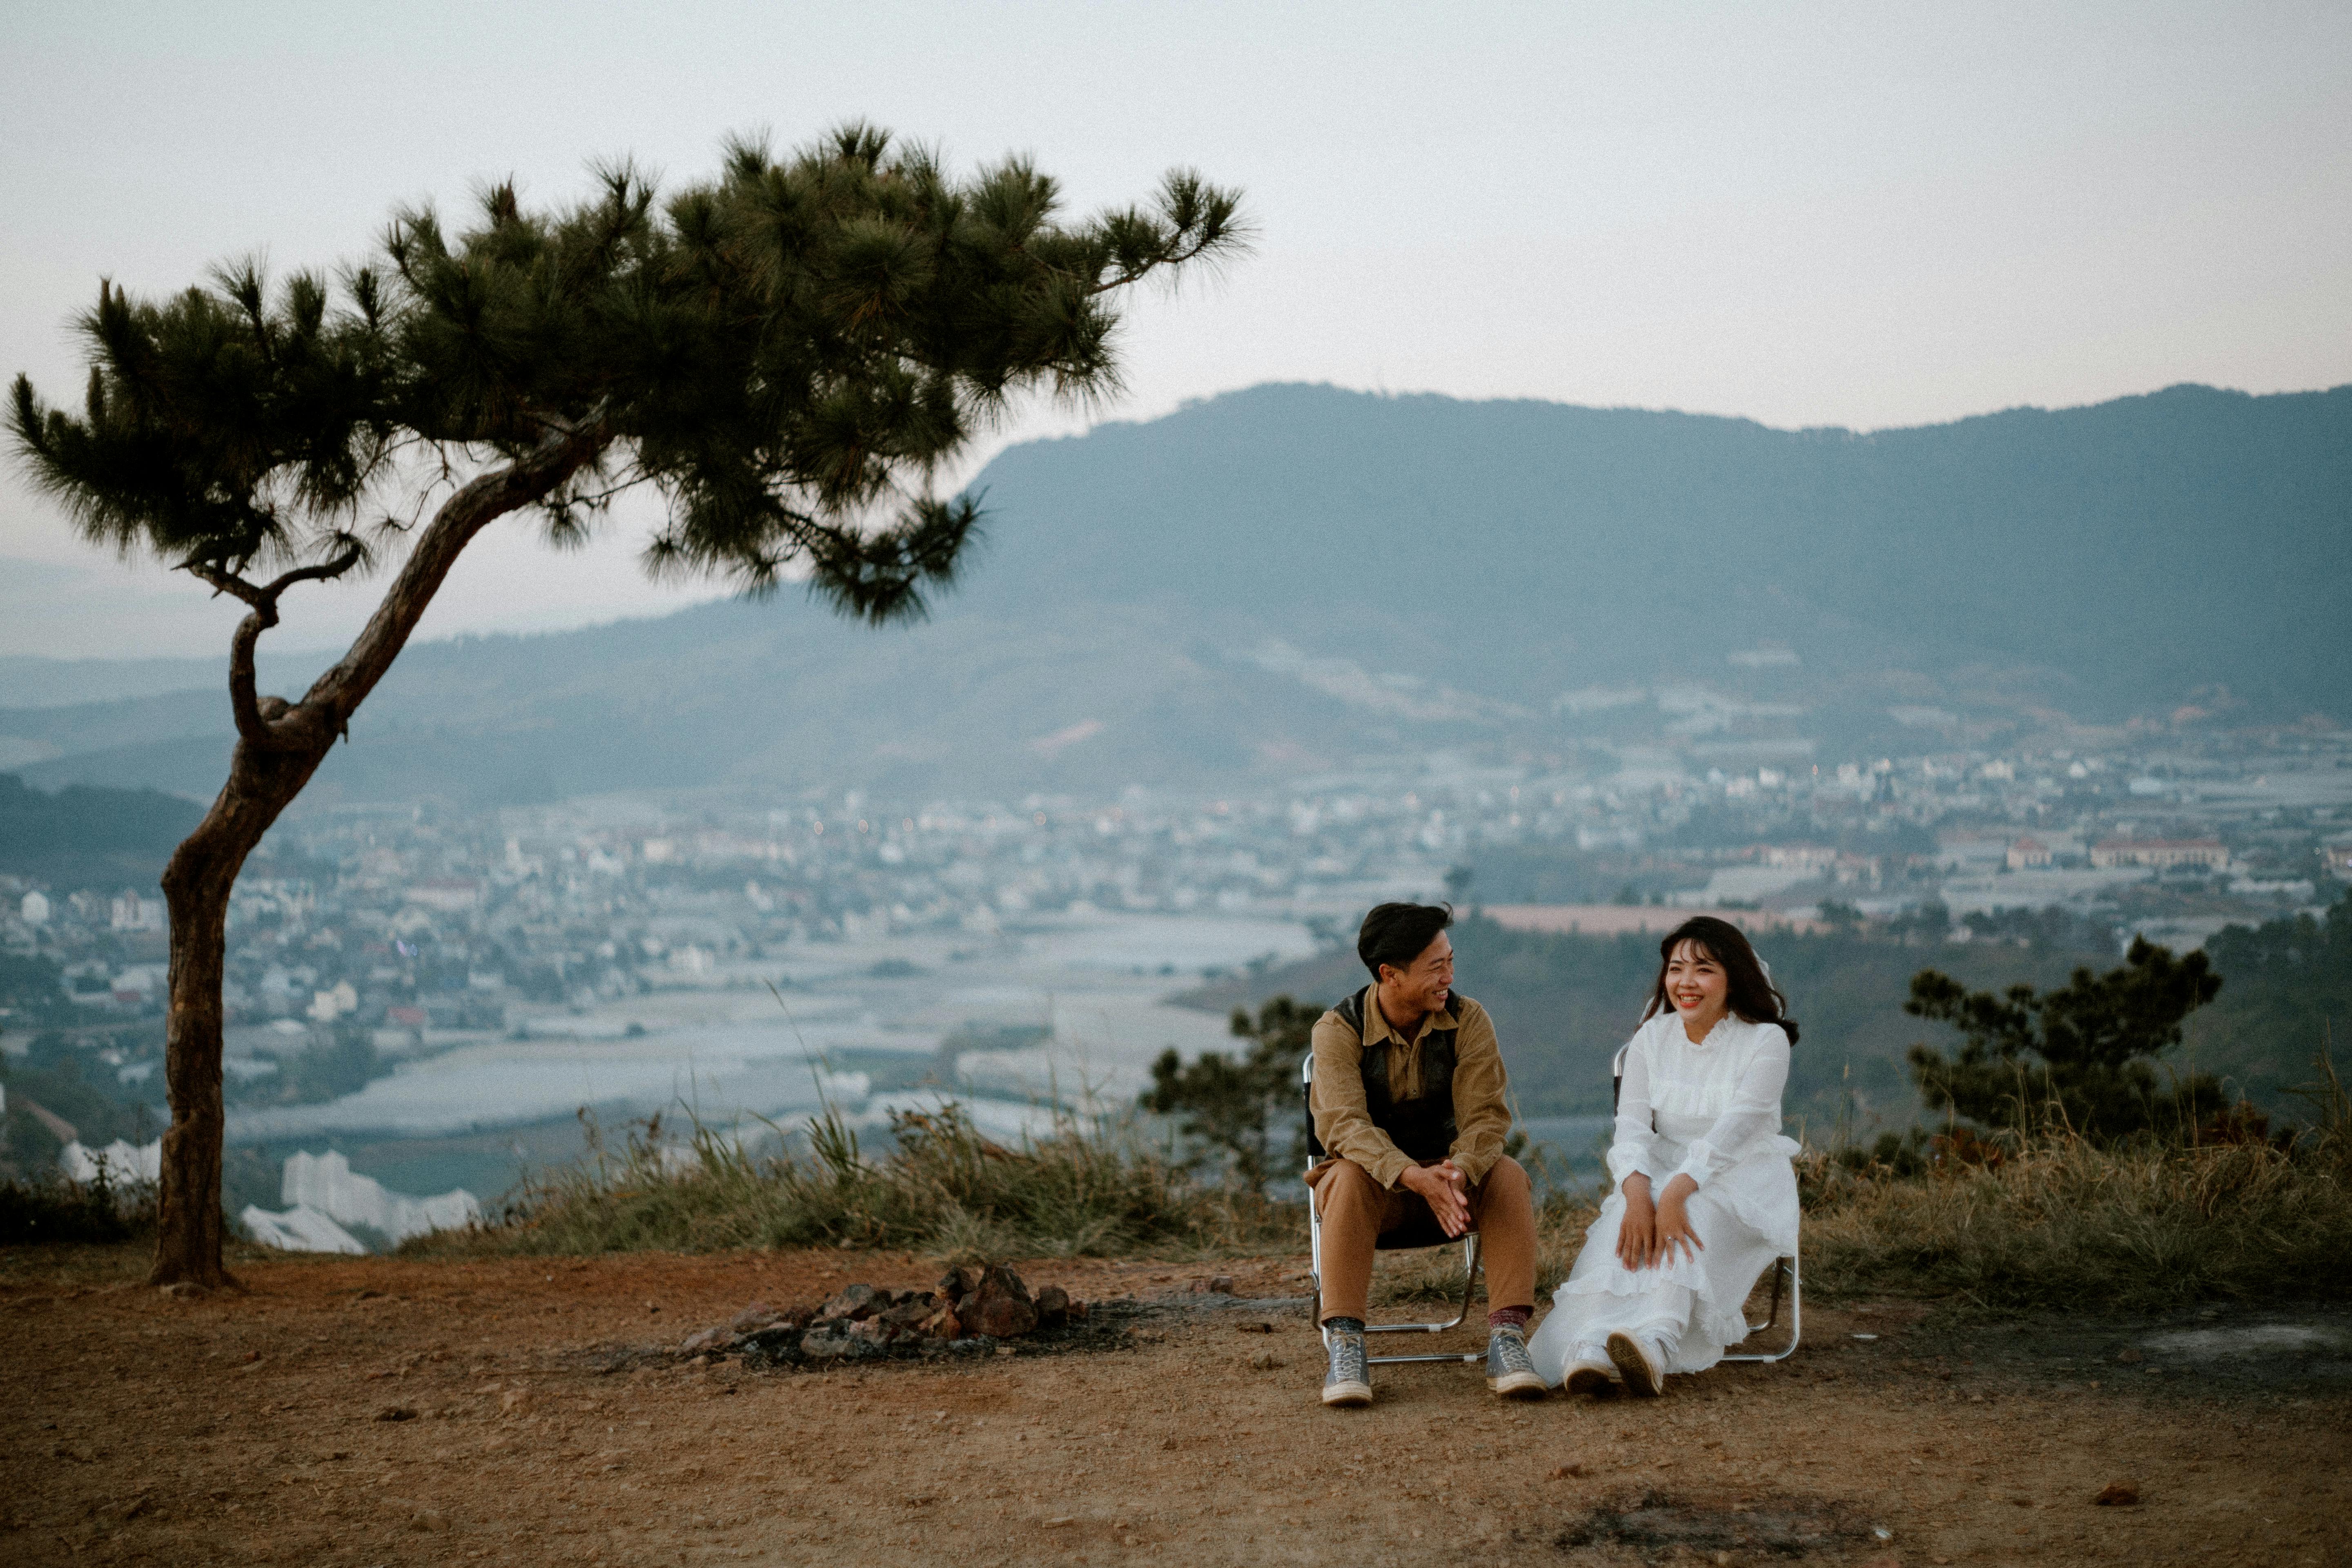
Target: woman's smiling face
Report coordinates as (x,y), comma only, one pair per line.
(1697,984)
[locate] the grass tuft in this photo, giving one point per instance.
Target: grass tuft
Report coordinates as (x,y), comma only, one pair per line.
(942,1188)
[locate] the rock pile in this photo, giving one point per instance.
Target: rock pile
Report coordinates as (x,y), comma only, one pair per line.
(971,1310)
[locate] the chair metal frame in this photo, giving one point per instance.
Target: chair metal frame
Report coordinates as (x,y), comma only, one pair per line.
(1314,1156)
(1787,1270)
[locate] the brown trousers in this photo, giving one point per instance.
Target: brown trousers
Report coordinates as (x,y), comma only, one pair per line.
(1356,1210)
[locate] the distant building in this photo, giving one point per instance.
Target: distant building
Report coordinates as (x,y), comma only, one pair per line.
(453,894)
(35,908)
(2028,854)
(128,911)
(2163,854)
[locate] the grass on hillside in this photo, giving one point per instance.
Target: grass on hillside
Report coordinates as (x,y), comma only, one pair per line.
(942,1189)
(2054,1223)
(2057,1222)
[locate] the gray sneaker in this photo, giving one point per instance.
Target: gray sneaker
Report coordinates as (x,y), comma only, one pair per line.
(1350,1381)
(1511,1371)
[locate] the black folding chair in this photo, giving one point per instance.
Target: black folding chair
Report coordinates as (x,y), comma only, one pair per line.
(1417,1234)
(1786,1271)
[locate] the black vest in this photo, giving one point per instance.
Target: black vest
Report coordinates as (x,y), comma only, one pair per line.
(1423,1128)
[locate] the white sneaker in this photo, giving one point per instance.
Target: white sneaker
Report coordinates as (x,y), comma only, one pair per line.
(1644,1368)
(1591,1372)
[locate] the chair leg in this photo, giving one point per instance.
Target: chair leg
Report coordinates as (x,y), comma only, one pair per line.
(1794,1267)
(1469,1289)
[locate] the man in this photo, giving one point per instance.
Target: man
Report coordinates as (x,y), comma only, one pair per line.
(1408,1103)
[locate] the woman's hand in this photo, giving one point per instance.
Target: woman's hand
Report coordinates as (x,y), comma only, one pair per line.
(1651,1231)
(1637,1231)
(1672,1227)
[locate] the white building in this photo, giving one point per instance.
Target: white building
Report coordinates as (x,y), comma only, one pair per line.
(35,908)
(326,1184)
(123,1161)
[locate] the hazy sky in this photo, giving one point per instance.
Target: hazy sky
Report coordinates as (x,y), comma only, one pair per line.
(1857,215)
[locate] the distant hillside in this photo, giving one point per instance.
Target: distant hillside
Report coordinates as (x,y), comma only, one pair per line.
(1562,1005)
(1285,579)
(90,838)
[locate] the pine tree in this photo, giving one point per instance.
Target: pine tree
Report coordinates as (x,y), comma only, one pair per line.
(1236,1104)
(786,353)
(2080,1056)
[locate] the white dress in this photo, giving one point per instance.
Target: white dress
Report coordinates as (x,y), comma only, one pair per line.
(1710,1112)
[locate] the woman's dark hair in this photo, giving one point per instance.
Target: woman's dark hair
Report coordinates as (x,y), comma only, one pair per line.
(1753,996)
(1398,933)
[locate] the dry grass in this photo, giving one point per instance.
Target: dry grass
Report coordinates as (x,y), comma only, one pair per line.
(2061,1223)
(943,1188)
(2057,1221)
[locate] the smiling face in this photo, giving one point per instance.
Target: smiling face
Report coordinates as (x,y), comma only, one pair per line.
(1698,986)
(1422,986)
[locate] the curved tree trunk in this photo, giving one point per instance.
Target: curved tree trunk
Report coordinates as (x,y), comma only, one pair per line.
(196,884)
(279,746)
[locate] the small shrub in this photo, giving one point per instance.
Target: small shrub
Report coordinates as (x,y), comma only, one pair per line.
(44,1209)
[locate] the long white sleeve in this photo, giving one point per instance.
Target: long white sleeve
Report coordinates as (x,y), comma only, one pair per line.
(1631,1143)
(1753,1115)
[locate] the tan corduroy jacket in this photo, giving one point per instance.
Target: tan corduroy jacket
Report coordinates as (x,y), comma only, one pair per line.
(1481,1118)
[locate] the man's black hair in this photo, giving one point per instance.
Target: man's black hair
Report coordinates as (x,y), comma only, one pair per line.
(1398,933)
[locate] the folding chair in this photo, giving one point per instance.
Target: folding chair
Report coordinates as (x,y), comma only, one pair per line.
(1404,1237)
(1785,1270)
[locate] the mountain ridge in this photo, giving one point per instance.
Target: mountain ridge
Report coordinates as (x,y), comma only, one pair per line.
(1288,577)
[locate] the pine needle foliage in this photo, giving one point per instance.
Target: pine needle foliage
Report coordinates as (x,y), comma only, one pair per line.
(788,352)
(2077,1059)
(1238,1105)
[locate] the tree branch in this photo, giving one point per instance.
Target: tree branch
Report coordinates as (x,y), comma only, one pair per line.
(326,709)
(245,702)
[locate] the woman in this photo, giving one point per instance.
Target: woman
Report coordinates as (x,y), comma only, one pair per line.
(1705,1197)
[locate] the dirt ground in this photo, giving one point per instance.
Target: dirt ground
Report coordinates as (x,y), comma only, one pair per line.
(550,1424)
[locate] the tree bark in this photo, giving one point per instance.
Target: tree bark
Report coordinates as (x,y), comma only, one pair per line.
(278,748)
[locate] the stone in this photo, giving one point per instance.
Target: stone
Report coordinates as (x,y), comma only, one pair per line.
(1053,1306)
(853,1302)
(956,1283)
(1221,1285)
(909,1315)
(942,1324)
(705,1340)
(1266,1361)
(1000,1306)
(2117,1494)
(758,1315)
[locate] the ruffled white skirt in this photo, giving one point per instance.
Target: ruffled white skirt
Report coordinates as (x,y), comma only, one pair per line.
(1691,1309)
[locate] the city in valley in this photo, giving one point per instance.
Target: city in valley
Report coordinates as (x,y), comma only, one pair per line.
(427,999)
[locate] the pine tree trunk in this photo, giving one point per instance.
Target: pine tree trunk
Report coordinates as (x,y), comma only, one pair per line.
(189,1225)
(281,744)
